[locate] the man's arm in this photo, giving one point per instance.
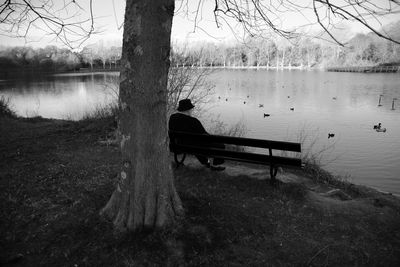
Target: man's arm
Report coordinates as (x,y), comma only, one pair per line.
(198,127)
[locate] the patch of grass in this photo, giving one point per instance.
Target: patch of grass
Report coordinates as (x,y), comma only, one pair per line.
(293,191)
(103,112)
(5,108)
(319,175)
(35,119)
(56,177)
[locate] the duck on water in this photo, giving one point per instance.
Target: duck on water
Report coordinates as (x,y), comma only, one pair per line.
(379,128)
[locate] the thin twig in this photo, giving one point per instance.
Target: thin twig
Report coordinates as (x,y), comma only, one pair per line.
(316,254)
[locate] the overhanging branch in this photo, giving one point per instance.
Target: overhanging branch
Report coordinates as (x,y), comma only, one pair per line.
(18,18)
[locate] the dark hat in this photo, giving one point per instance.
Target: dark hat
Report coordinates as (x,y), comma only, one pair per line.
(185,104)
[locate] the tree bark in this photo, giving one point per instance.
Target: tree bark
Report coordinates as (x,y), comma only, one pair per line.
(145,195)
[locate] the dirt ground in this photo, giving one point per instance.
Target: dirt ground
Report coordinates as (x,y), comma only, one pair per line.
(55,176)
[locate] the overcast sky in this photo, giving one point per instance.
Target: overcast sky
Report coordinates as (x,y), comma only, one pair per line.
(109,18)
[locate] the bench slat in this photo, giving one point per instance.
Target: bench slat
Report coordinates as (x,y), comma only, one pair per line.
(251,142)
(238,156)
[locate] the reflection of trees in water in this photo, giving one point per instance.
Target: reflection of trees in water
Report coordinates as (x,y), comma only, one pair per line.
(314,89)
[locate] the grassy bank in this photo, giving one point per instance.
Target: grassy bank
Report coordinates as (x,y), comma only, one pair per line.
(56,175)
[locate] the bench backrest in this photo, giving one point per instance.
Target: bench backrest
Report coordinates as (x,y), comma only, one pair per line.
(175,136)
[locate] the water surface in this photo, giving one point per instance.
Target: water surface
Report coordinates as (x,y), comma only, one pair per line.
(345,104)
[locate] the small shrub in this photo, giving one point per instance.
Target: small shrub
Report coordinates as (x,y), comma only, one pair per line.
(102,112)
(313,152)
(219,127)
(322,176)
(315,155)
(236,130)
(5,109)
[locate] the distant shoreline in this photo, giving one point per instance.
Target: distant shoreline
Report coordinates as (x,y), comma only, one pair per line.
(381,68)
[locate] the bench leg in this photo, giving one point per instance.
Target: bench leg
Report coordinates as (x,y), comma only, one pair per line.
(179,162)
(272,171)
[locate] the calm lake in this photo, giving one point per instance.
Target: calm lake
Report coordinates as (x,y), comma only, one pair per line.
(303,105)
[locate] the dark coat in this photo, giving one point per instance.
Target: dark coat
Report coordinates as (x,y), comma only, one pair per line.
(184,123)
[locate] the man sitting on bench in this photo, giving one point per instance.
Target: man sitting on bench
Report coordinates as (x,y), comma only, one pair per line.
(183,121)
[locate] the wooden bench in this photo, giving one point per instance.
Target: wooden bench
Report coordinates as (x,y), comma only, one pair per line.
(180,148)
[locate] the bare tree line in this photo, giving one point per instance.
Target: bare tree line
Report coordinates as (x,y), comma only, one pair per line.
(305,53)
(361,50)
(55,59)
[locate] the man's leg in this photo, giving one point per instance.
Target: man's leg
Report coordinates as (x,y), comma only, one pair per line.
(203,160)
(217,161)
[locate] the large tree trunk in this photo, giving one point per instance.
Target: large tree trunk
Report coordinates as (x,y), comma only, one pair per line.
(145,196)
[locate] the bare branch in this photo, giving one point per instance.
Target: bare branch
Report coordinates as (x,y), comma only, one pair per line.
(323,26)
(62,20)
(257,17)
(361,18)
